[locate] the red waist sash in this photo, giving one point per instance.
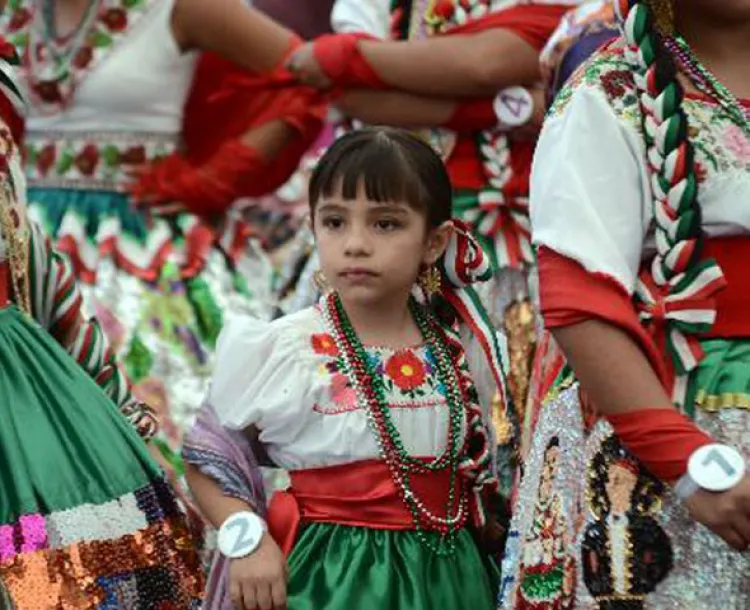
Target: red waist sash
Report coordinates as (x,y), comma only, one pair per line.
(362,494)
(732,303)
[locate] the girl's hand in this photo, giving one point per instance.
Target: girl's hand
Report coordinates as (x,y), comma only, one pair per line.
(258,581)
(305,67)
(727,514)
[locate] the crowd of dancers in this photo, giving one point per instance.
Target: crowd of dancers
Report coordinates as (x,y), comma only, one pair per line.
(374,304)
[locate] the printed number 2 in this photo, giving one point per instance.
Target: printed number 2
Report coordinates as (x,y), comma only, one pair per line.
(243,540)
(715,457)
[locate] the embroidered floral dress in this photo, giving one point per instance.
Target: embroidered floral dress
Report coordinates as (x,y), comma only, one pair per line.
(288,379)
(86,517)
(104,101)
(630,542)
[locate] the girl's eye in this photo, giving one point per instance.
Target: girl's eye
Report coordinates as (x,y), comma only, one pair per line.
(333,222)
(386,224)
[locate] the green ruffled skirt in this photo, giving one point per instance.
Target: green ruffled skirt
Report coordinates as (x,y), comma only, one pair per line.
(338,567)
(85,512)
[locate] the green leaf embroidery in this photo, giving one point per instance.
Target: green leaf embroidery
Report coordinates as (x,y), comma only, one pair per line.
(111,155)
(99,39)
(65,163)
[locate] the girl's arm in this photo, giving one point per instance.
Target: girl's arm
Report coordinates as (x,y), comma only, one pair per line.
(213,504)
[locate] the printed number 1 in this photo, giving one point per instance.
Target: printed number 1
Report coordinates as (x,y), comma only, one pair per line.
(243,540)
(715,457)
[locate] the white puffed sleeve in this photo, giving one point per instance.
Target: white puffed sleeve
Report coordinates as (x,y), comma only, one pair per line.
(590,196)
(259,380)
(370,16)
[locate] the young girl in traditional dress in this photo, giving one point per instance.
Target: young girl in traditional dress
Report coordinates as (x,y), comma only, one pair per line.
(367,400)
(640,195)
(86,517)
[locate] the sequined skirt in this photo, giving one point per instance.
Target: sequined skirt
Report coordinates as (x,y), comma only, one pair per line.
(86,518)
(621,538)
(161,288)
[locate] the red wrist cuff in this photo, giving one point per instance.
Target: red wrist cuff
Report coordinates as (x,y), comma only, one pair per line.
(662,439)
(338,55)
(473,115)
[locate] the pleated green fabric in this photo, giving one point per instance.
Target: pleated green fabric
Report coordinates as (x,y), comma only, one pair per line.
(337,567)
(63,443)
(722,379)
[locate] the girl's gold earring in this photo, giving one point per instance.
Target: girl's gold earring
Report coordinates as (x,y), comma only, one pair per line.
(430,281)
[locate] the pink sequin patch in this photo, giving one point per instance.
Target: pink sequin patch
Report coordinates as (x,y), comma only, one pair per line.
(7,548)
(34,531)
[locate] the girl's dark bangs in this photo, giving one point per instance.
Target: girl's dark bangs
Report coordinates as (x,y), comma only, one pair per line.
(382,170)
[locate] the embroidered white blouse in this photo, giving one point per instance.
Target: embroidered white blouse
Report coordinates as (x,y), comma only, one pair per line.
(286,378)
(590,192)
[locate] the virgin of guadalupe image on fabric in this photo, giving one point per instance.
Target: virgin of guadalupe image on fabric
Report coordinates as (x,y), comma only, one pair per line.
(547,574)
(625,553)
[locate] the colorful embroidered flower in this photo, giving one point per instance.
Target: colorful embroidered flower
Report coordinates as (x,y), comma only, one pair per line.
(46,159)
(83,58)
(87,160)
(737,142)
(406,370)
(323,343)
(18,19)
(49,92)
(115,19)
(135,155)
(342,393)
(616,83)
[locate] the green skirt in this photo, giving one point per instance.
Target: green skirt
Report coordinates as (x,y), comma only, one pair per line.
(338,567)
(85,513)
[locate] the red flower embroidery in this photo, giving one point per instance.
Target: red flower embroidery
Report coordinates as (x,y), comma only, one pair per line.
(406,370)
(444,9)
(87,160)
(7,50)
(116,19)
(83,58)
(46,159)
(133,156)
(323,343)
(616,83)
(19,19)
(49,92)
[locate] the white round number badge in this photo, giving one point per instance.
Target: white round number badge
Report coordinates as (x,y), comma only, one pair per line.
(716,467)
(240,534)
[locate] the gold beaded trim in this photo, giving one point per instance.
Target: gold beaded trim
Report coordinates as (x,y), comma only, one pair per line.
(15,235)
(716,402)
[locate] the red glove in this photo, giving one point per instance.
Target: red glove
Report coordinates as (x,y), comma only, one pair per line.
(338,55)
(227,102)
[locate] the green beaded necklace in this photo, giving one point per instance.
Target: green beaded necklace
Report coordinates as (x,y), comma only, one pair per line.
(371,391)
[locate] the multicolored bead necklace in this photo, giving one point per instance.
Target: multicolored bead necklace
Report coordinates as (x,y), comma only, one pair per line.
(706,82)
(371,392)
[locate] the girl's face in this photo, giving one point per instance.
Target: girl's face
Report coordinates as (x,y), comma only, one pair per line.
(370,252)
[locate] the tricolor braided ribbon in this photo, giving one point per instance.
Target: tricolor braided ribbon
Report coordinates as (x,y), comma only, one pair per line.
(501,222)
(678,295)
(463,264)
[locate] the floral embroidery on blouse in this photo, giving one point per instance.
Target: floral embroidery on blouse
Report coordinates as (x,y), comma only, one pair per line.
(721,146)
(409,377)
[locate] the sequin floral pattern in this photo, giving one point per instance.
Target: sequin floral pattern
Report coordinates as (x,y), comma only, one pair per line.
(408,374)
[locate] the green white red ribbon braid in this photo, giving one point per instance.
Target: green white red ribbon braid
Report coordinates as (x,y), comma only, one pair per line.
(464,264)
(678,293)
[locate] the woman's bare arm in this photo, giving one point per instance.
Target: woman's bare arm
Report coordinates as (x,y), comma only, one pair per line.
(396,108)
(213,504)
(611,368)
(468,65)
